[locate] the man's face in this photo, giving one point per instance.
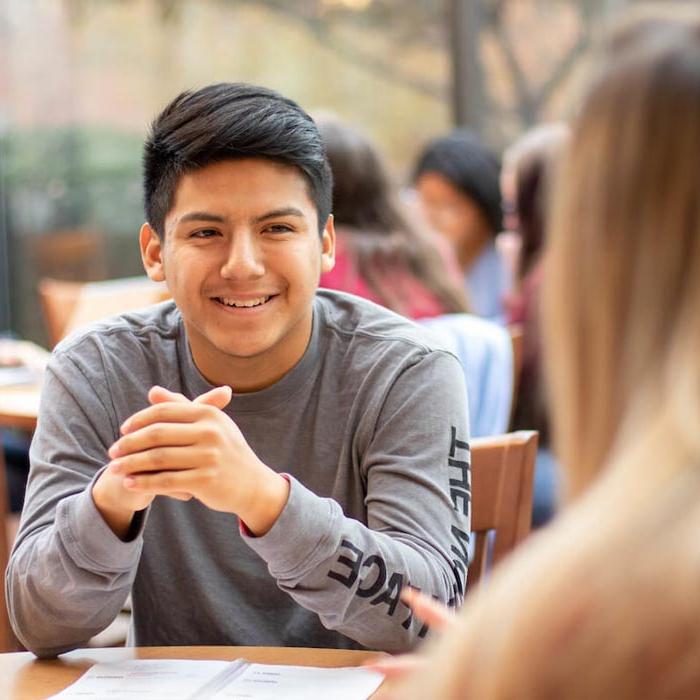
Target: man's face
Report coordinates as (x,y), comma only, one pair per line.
(449,211)
(242,256)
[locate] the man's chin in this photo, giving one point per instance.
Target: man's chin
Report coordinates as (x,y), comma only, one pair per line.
(242,352)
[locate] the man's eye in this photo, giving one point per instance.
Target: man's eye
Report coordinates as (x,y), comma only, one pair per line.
(204,233)
(278,228)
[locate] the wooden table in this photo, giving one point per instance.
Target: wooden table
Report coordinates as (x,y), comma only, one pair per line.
(19,406)
(24,677)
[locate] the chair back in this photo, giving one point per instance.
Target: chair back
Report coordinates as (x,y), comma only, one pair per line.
(69,305)
(69,254)
(502,469)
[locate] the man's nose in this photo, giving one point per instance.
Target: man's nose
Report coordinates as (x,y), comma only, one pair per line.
(244,260)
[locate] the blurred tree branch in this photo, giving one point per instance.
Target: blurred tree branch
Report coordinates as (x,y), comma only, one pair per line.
(424,23)
(408,28)
(530,100)
(323,26)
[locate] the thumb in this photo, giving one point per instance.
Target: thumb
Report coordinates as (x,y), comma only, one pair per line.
(159,394)
(218,397)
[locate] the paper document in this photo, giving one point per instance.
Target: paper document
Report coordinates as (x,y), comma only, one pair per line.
(184,679)
(267,682)
(155,679)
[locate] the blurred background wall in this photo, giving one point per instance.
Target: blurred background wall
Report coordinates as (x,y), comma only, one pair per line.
(81,79)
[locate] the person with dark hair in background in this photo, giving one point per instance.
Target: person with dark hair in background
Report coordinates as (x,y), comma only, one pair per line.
(456,178)
(381,255)
(338,474)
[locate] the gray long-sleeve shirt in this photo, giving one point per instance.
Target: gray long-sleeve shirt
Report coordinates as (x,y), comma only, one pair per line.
(371,427)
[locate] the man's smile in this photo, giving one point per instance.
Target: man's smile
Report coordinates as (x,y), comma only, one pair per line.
(244,304)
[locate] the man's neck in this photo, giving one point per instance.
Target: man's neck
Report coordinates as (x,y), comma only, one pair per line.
(244,375)
(469,253)
(255,372)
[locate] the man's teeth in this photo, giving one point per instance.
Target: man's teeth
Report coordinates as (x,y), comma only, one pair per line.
(246,304)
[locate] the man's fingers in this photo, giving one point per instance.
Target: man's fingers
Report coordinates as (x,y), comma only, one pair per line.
(168,412)
(164,483)
(434,614)
(395,666)
(159,459)
(155,435)
(220,397)
(159,394)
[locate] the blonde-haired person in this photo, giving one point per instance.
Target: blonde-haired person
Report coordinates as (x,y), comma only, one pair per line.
(605,603)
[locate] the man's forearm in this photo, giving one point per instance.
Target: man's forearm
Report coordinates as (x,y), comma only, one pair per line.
(67,581)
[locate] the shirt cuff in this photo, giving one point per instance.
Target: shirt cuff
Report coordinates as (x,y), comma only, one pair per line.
(91,541)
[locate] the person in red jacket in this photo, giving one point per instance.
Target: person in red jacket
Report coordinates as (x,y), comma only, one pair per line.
(380,254)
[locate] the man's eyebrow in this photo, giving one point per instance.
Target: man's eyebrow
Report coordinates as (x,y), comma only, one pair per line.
(201,216)
(283,211)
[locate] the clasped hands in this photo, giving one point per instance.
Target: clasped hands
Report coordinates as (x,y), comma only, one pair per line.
(187,449)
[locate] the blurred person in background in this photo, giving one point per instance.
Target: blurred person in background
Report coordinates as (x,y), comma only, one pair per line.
(380,254)
(526,179)
(457,180)
(605,602)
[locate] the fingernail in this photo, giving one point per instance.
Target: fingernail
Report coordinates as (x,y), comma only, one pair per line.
(129,482)
(115,467)
(124,427)
(113,451)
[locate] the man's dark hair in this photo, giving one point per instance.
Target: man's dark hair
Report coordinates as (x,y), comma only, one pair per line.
(224,122)
(463,159)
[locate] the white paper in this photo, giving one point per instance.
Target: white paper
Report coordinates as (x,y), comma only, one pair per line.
(184,679)
(147,679)
(268,682)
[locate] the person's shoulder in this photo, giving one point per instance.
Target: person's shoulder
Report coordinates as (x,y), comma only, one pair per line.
(362,322)
(151,325)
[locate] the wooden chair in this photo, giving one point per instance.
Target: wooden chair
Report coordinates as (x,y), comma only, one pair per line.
(70,254)
(69,305)
(503,469)
(8,642)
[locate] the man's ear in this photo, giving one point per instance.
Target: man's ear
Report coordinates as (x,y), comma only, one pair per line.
(328,246)
(152,253)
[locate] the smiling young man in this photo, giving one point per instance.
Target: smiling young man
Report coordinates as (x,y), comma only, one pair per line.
(343,452)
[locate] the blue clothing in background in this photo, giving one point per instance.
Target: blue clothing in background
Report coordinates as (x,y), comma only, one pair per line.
(485,352)
(487,283)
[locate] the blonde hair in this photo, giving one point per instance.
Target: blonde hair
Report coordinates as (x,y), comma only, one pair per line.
(622,289)
(605,603)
